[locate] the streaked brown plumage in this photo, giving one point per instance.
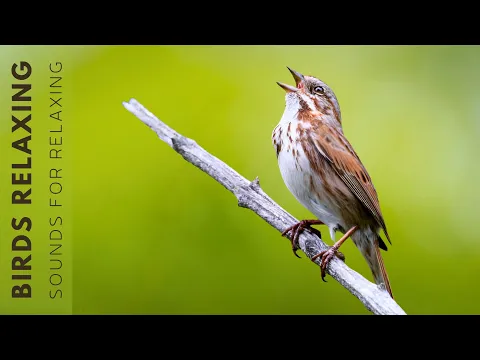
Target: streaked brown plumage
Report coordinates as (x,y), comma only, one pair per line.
(324,173)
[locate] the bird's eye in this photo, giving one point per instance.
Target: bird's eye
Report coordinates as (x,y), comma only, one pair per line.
(319,89)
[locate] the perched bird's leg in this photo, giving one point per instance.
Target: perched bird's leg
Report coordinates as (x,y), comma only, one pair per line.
(297,229)
(328,254)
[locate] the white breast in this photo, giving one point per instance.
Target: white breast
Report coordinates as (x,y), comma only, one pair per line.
(296,171)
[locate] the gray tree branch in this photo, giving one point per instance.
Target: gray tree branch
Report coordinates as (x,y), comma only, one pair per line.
(251,196)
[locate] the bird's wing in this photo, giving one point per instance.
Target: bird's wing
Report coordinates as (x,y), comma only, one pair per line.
(334,147)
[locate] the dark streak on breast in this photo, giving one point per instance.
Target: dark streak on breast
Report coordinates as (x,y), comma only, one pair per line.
(279,147)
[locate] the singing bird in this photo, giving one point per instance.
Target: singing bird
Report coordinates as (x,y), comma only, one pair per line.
(324,173)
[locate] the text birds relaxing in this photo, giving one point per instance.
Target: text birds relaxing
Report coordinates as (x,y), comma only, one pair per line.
(323,172)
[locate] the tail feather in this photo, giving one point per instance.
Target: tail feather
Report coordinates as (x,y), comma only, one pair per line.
(382,244)
(382,277)
(374,259)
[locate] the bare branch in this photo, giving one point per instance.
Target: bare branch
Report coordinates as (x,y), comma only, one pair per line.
(251,196)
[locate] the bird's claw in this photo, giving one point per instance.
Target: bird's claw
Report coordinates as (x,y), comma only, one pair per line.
(296,230)
(326,256)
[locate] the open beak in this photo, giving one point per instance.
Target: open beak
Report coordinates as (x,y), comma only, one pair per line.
(297,76)
(298,80)
(287,88)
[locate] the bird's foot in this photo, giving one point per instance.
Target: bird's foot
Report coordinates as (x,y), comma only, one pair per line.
(326,257)
(296,229)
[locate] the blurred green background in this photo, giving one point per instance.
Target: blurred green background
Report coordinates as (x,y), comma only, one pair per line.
(154,235)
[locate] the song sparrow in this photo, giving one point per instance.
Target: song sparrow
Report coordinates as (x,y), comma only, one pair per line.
(323,172)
